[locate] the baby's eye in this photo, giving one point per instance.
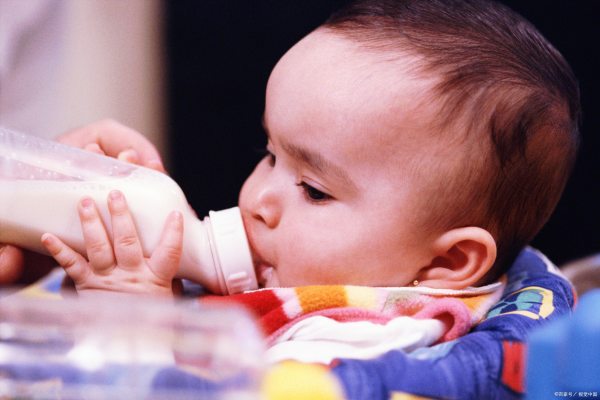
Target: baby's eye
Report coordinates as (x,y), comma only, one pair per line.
(312,194)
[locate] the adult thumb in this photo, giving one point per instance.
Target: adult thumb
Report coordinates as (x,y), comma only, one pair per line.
(11,264)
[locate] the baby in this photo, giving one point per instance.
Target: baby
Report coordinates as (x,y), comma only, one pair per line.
(409,143)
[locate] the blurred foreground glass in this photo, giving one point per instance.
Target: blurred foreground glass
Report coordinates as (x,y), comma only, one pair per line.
(127,347)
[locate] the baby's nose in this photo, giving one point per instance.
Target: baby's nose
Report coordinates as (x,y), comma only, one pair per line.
(267,208)
(262,201)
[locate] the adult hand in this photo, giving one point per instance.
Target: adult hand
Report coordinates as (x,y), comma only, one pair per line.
(115,140)
(22,267)
(105,137)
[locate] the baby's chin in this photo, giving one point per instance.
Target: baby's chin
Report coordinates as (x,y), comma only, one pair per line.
(267,277)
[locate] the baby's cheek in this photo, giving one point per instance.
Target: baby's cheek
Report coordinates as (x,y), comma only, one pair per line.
(309,271)
(296,269)
(310,257)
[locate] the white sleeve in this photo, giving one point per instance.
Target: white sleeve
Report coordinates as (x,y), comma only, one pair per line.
(321,339)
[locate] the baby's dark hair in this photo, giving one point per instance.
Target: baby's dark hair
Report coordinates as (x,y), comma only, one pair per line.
(500,84)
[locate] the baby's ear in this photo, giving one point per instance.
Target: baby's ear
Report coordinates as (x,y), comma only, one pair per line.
(462,256)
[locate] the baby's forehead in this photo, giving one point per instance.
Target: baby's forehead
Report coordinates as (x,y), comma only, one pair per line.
(326,52)
(348,78)
(371,106)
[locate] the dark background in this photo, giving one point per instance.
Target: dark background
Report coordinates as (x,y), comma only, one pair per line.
(220,54)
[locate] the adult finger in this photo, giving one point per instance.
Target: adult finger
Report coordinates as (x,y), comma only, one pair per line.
(73,263)
(115,138)
(93,148)
(130,156)
(126,244)
(11,264)
(97,244)
(164,261)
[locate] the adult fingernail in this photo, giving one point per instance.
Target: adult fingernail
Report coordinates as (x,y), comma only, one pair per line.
(94,148)
(156,164)
(128,155)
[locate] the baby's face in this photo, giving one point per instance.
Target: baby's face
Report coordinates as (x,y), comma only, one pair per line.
(339,200)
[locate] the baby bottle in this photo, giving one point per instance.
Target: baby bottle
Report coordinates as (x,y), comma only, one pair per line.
(41,182)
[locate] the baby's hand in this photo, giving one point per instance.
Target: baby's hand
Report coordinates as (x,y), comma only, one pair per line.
(119,266)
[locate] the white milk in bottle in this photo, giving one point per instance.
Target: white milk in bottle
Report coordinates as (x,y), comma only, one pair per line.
(41,183)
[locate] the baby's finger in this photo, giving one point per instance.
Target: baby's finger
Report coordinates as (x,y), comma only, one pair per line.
(97,244)
(127,247)
(165,258)
(74,264)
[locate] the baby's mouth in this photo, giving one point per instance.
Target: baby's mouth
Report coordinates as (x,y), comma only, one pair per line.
(265,272)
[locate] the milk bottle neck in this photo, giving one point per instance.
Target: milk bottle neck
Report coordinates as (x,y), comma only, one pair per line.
(230,251)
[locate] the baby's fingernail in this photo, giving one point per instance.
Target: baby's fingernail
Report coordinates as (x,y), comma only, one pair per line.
(177,217)
(87,206)
(116,197)
(47,239)
(49,242)
(86,203)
